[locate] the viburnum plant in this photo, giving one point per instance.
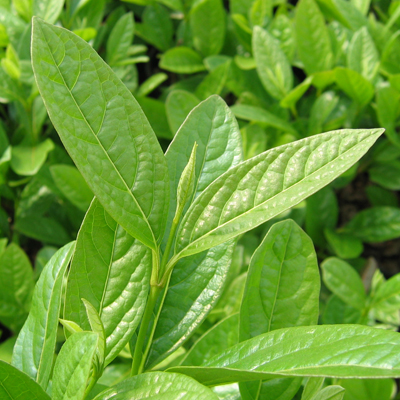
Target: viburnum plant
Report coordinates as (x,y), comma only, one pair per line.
(156,245)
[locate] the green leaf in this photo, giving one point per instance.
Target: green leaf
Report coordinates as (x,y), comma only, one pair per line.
(257,114)
(282,287)
(322,213)
(214,82)
(207,23)
(120,39)
(221,336)
(387,296)
(271,300)
(273,67)
(72,185)
(28,160)
(156,27)
(49,10)
(311,388)
(378,196)
(111,270)
(196,284)
(375,224)
(16,287)
(354,85)
(182,60)
(266,185)
(390,58)
(312,37)
(157,386)
(331,351)
(333,392)
(97,327)
(72,367)
(35,346)
(132,184)
(15,385)
(338,312)
(343,280)
(290,100)
(178,105)
(371,389)
(151,83)
(362,55)
(345,246)
(387,175)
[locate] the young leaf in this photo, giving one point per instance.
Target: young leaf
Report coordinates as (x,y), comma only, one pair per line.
(182,60)
(387,296)
(73,365)
(335,351)
(120,39)
(266,185)
(85,101)
(158,385)
(207,23)
(15,385)
(312,37)
(111,270)
(35,346)
(311,388)
(283,275)
(272,65)
(376,224)
(214,82)
(343,280)
(220,337)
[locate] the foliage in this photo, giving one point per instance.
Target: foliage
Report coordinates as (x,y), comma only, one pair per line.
(196,259)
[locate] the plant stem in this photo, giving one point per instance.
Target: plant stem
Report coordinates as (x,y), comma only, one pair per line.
(92,382)
(138,363)
(170,241)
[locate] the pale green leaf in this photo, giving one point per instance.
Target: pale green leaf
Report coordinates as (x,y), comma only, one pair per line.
(49,10)
(331,351)
(86,101)
(35,346)
(182,60)
(111,270)
(266,185)
(158,386)
(72,367)
(371,389)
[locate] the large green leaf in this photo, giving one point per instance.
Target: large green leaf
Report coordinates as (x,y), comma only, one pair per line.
(266,185)
(312,37)
(86,102)
(111,270)
(343,280)
(158,386)
(72,367)
(336,351)
(220,337)
(273,67)
(207,23)
(15,385)
(282,290)
(282,287)
(35,346)
(16,286)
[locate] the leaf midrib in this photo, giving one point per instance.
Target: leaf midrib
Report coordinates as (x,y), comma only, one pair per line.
(97,139)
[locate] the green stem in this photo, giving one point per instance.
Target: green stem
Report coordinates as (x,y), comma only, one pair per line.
(138,356)
(170,241)
(92,382)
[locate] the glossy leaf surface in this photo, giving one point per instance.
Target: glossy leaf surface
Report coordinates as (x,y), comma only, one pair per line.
(72,367)
(36,342)
(268,184)
(85,101)
(111,270)
(336,351)
(158,386)
(15,385)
